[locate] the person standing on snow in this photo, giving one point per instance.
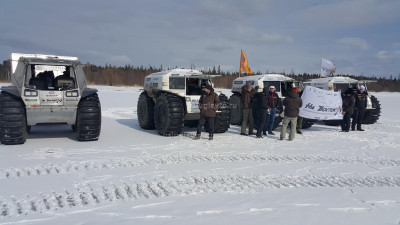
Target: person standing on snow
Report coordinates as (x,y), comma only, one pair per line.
(300,119)
(273,102)
(208,105)
(292,105)
(261,108)
(348,108)
(247,106)
(361,105)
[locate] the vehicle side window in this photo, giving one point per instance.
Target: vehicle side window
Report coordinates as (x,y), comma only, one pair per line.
(177,83)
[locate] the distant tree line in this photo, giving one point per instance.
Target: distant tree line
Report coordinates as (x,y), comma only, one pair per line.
(129,75)
(5,71)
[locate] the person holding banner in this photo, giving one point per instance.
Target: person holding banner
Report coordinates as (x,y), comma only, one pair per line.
(348,108)
(292,105)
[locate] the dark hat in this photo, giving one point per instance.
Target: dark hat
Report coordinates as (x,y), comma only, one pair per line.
(209,87)
(349,91)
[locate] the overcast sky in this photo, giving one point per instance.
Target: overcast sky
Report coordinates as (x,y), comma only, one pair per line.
(359,36)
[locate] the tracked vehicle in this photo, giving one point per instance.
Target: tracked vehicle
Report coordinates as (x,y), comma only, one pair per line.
(48,89)
(170,100)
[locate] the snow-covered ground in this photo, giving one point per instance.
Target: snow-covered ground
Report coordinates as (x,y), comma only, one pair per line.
(135,176)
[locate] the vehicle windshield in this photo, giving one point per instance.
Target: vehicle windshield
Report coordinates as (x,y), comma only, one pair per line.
(341,87)
(49,77)
(276,84)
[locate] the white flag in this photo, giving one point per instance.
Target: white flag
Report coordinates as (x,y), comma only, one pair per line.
(327,68)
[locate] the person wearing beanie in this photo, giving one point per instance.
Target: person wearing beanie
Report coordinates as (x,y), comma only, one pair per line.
(292,105)
(348,108)
(361,106)
(247,107)
(209,87)
(208,105)
(274,103)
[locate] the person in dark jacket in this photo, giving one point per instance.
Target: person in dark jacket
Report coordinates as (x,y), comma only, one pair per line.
(348,108)
(361,105)
(256,104)
(292,104)
(261,108)
(300,119)
(273,103)
(247,107)
(208,105)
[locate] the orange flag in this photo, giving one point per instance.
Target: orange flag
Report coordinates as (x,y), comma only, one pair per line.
(244,64)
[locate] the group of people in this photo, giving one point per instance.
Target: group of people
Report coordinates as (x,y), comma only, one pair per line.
(354,106)
(260,108)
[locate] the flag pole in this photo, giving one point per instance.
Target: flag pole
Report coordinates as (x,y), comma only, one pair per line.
(320,75)
(240,62)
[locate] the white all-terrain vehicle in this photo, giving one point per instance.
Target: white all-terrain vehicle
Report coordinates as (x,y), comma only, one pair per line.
(341,84)
(48,89)
(282,84)
(170,100)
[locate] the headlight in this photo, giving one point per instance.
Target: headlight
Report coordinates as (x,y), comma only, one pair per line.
(71,94)
(30,93)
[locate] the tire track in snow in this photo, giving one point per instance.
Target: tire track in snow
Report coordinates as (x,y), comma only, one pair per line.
(87,195)
(73,166)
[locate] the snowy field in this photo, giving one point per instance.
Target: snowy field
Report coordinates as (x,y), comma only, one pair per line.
(135,176)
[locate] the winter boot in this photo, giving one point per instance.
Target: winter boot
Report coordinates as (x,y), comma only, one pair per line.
(211,137)
(197,137)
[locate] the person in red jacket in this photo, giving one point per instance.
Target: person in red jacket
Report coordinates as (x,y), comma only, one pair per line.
(274,103)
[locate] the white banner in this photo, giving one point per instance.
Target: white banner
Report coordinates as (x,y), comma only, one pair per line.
(327,68)
(321,105)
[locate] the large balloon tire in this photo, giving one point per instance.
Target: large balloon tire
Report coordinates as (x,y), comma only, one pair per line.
(145,112)
(236,112)
(88,119)
(372,115)
(332,122)
(222,120)
(13,126)
(169,115)
(307,123)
